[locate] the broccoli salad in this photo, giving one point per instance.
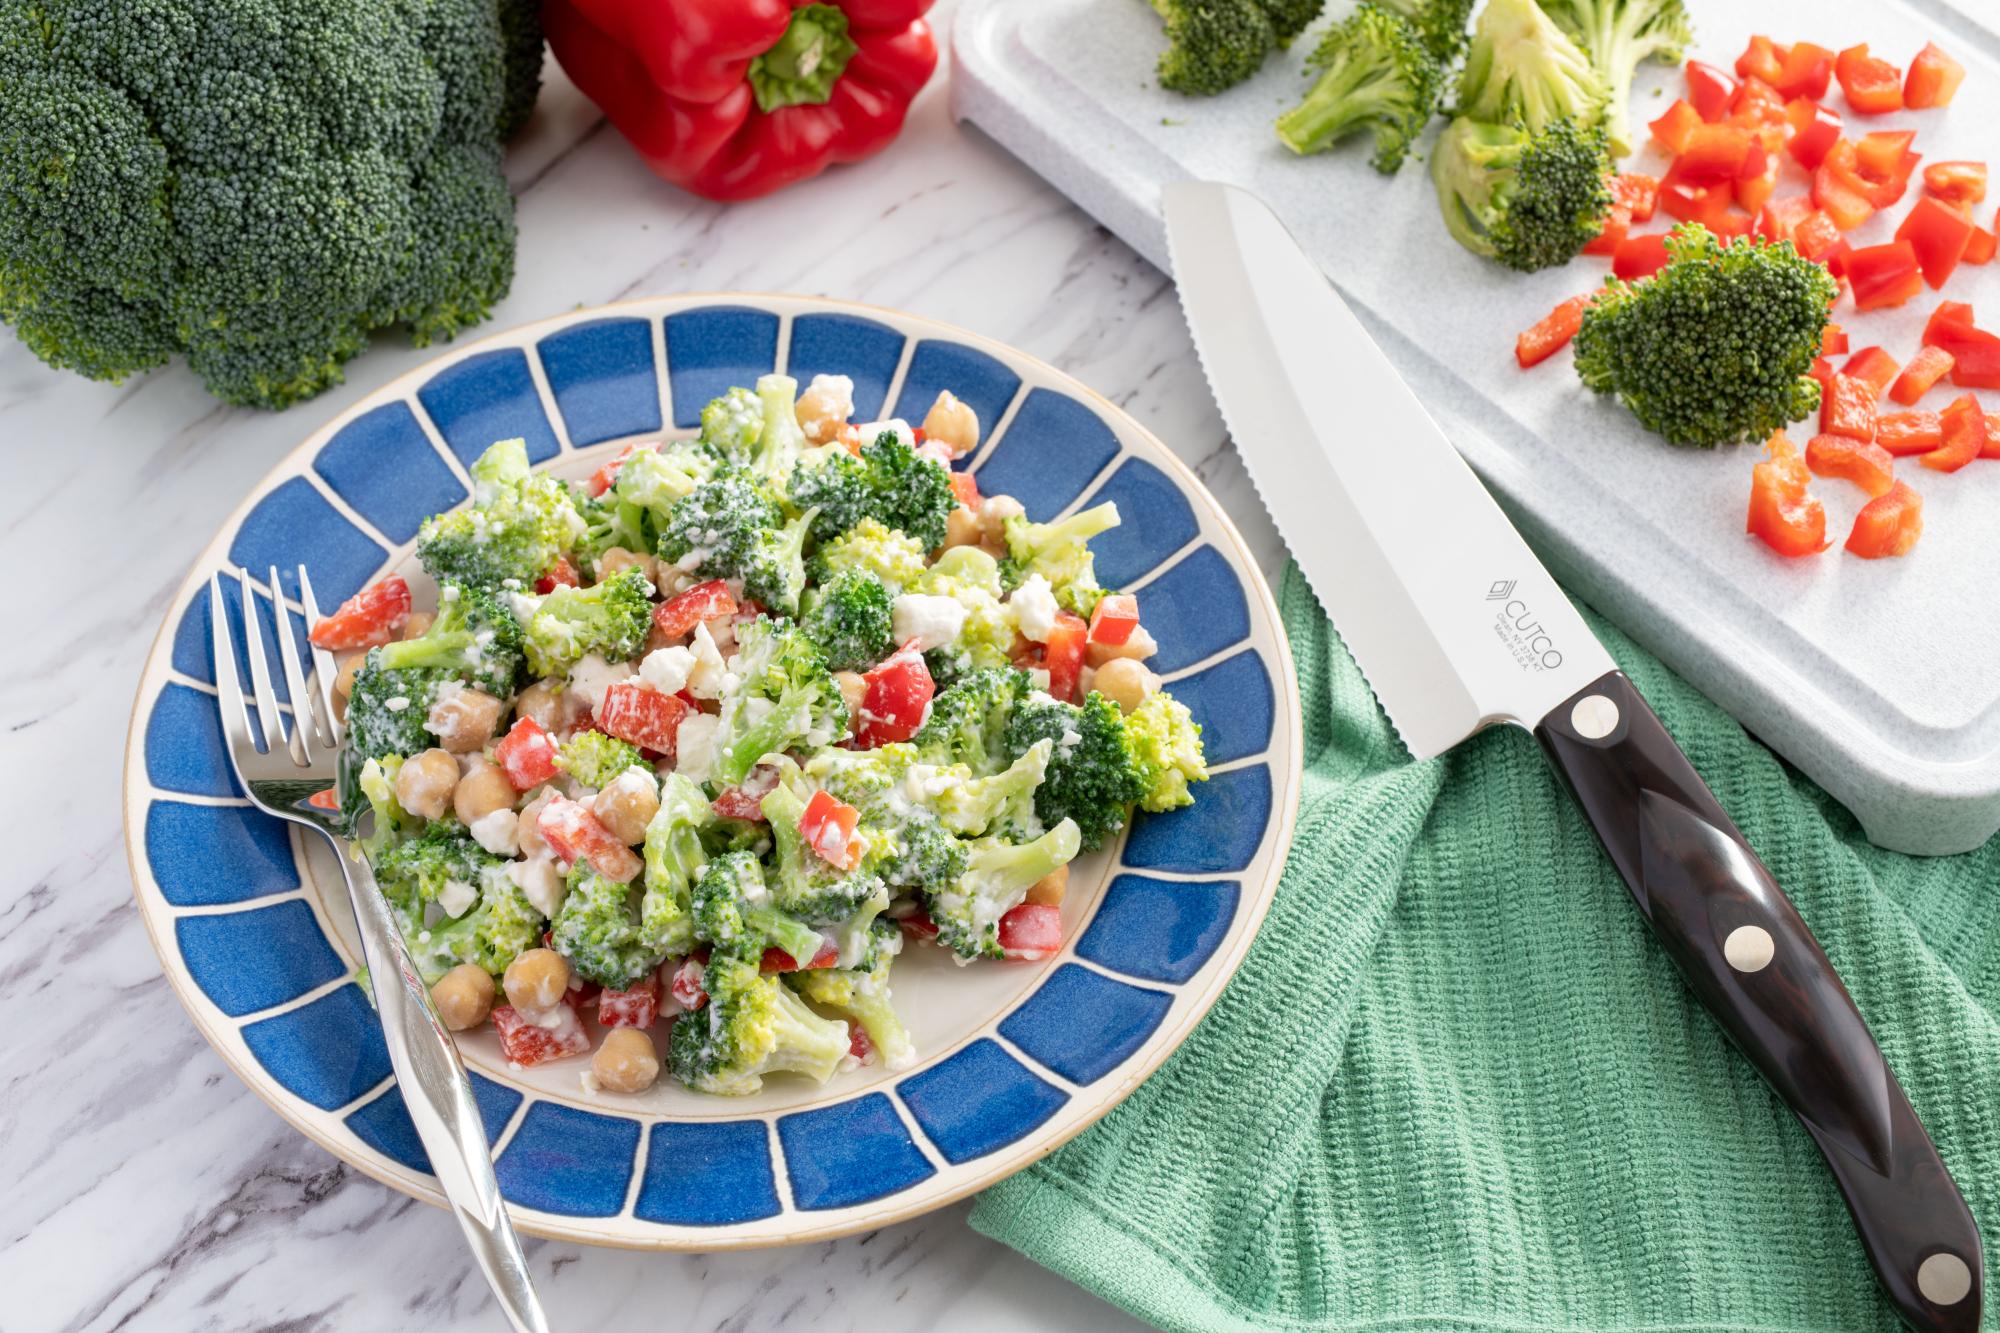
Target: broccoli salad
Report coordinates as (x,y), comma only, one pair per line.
(688,754)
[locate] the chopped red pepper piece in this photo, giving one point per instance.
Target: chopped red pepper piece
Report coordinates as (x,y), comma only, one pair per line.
(1757,105)
(1874,87)
(1906,433)
(1832,340)
(1975,354)
(1712,153)
(637,1006)
(897,693)
(643,716)
(1863,462)
(1762,59)
(1980,249)
(680,613)
(532,1040)
(1926,368)
(1888,525)
(372,617)
(1673,126)
(573,833)
(562,574)
(1778,219)
(1639,257)
(965,488)
(1617,225)
(1782,515)
(1884,275)
(1710,90)
(1063,655)
(1873,367)
(827,825)
(1933,79)
(1114,618)
(1822,370)
(1847,407)
(1637,193)
(1816,235)
(777,960)
(1964,432)
(1938,233)
(526,754)
(1832,194)
(1947,312)
(1814,130)
(1553,331)
(1956,182)
(1807,70)
(1030,932)
(605,477)
(686,987)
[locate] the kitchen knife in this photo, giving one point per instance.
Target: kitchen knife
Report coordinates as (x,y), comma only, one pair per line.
(1457,626)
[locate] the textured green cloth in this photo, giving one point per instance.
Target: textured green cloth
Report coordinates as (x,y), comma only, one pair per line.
(1457,1086)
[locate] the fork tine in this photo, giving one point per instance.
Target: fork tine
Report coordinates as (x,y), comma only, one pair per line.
(323,667)
(260,669)
(305,726)
(228,689)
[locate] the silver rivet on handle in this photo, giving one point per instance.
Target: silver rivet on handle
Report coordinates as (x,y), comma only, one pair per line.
(1944,1279)
(1594,717)
(1749,948)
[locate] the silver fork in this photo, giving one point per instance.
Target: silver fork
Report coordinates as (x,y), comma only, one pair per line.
(283,774)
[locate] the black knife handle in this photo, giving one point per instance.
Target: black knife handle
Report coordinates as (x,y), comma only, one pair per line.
(1750,959)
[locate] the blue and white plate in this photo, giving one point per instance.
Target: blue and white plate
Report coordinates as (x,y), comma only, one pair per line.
(252,922)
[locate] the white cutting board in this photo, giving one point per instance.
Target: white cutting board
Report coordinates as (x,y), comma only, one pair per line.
(1881,680)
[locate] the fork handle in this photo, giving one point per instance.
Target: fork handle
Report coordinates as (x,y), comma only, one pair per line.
(438,1094)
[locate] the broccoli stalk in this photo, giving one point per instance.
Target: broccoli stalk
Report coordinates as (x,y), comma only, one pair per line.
(753,1026)
(474,637)
(1529,199)
(1523,69)
(734,911)
(612,618)
(1375,73)
(996,879)
(1618,35)
(1715,347)
(674,857)
(1060,553)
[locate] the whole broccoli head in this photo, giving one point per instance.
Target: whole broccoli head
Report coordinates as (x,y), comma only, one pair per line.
(968,720)
(888,481)
(595,759)
(871,547)
(1091,778)
(851,619)
(387,709)
(1715,347)
(1164,741)
(475,637)
(257,185)
(1060,553)
(1529,199)
(612,933)
(1618,35)
(1440,25)
(734,911)
(1522,68)
(997,878)
(518,525)
(612,618)
(860,994)
(752,1026)
(783,695)
(1374,73)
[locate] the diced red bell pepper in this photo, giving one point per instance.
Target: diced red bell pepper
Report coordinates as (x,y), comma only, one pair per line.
(858,1044)
(1980,249)
(1712,153)
(1782,515)
(1762,59)
(1114,619)
(372,617)
(1906,433)
(1964,430)
(1863,462)
(1710,90)
(1975,354)
(1617,226)
(1947,312)
(1550,334)
(680,613)
(1938,233)
(637,1006)
(1756,106)
(1883,275)
(1637,193)
(1832,195)
(1956,182)
(643,716)
(1806,72)
(1725,224)
(1639,257)
(1832,340)
(746,799)
(1063,654)
(1874,87)
(574,834)
(1933,79)
(898,694)
(1992,449)
(686,987)
(964,488)
(1888,525)
(1778,219)
(1814,130)
(1883,165)
(562,574)
(1873,367)
(526,754)
(828,829)
(918,925)
(1030,932)
(1822,370)
(1815,235)
(533,1040)
(777,960)
(1847,407)
(1671,128)
(606,477)
(1752,193)
(1926,368)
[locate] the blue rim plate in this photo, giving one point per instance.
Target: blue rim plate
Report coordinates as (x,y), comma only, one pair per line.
(252,923)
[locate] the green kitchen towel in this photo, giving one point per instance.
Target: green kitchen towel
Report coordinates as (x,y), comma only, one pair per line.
(1457,1086)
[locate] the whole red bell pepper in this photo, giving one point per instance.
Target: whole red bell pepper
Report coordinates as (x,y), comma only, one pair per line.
(736,98)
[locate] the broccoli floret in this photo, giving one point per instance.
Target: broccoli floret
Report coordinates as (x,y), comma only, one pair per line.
(1530,200)
(731,528)
(735,912)
(610,522)
(612,618)
(783,695)
(889,481)
(909,844)
(1091,778)
(780,440)
(674,857)
(501,926)
(657,479)
(518,525)
(1440,25)
(871,547)
(386,710)
(612,933)
(860,994)
(1715,347)
(257,185)
(1001,805)
(841,903)
(732,423)
(424,876)
(997,877)
(1164,741)
(595,759)
(1212,45)
(959,568)
(1618,35)
(1060,553)
(419,869)
(776,572)
(1375,73)
(375,792)
(968,720)
(1523,69)
(850,618)
(752,1026)
(474,637)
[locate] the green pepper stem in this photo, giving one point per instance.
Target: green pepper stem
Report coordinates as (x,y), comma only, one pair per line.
(805,63)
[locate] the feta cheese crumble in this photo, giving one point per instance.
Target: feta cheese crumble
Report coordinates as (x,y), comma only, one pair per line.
(932,621)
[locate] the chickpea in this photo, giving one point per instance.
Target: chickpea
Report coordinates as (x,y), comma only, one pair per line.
(962,528)
(425,782)
(343,683)
(722,629)
(463,997)
(465,721)
(626,808)
(994,511)
(626,1062)
(1050,888)
(543,703)
(529,835)
(1139,647)
(419,621)
(953,424)
(1125,682)
(536,980)
(852,688)
(618,559)
(824,408)
(482,790)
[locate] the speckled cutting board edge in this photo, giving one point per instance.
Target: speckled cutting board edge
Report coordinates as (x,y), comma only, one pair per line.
(1880,680)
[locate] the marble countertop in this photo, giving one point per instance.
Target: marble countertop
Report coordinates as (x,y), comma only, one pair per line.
(141,1186)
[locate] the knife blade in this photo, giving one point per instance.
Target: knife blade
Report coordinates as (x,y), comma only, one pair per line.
(1457,626)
